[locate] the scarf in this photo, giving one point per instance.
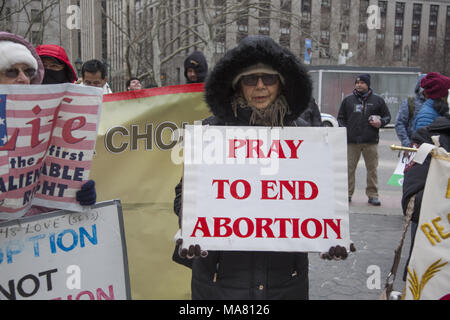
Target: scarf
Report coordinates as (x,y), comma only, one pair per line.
(362,96)
(271,116)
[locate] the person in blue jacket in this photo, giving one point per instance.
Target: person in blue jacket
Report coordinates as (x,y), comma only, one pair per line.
(436,88)
(409,108)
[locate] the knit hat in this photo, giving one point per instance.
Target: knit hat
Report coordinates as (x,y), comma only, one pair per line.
(435,85)
(365,77)
(256,68)
(13,52)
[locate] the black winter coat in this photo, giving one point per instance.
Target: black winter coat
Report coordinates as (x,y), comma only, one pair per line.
(354,114)
(243,274)
(415,177)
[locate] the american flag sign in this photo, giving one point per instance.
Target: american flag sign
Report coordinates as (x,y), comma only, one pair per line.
(47,140)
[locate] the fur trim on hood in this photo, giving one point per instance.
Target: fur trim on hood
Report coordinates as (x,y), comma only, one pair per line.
(6,36)
(250,51)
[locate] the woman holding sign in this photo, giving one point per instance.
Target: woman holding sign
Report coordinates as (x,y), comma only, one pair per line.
(20,64)
(258,83)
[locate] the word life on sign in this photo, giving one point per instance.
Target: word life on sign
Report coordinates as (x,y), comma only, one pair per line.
(47,140)
(263,189)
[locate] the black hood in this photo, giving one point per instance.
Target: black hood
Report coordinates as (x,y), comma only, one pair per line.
(250,51)
(197,61)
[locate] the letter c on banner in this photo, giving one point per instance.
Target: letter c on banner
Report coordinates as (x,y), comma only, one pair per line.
(109,139)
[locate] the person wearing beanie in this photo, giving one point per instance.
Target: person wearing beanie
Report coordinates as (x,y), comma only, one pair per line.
(58,68)
(408,110)
(363,113)
(19,61)
(195,67)
(257,83)
(20,64)
(436,88)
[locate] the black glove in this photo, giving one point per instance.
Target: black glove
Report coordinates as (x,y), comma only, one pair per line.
(192,252)
(337,253)
(87,195)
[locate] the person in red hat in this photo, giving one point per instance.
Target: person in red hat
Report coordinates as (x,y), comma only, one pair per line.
(58,68)
(436,88)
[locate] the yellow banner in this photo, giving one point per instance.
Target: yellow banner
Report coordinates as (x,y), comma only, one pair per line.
(429,267)
(133,163)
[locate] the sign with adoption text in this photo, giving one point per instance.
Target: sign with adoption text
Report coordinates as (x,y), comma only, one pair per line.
(263,189)
(65,256)
(47,140)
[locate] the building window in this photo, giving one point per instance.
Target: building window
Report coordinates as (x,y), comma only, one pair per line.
(432,30)
(264,18)
(306,11)
(362,37)
(36,38)
(415,30)
(285,40)
(325,36)
(398,29)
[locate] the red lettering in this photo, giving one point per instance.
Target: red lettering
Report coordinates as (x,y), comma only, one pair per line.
(35,128)
(282,222)
(220,187)
(251,147)
(11,144)
(265,186)
(218,225)
(247,189)
(290,187)
(294,148)
(237,230)
(295,188)
(55,118)
(233,147)
(317,225)
(202,226)
(264,224)
(68,128)
(335,226)
(314,190)
(275,146)
(295,229)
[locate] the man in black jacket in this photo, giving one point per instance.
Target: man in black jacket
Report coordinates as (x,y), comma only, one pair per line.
(363,113)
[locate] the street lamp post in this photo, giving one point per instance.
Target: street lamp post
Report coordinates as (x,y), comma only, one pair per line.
(78,65)
(406,54)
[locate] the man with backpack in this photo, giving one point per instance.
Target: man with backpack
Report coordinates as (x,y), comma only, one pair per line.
(404,123)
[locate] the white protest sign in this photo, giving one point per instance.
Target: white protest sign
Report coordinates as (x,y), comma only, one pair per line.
(65,256)
(429,267)
(262,189)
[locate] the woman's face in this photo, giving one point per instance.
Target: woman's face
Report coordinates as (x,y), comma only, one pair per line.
(260,89)
(19,73)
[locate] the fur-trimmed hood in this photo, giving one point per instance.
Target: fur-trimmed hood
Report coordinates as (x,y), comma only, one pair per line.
(250,51)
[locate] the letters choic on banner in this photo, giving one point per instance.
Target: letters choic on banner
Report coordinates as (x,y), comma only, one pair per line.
(262,189)
(47,141)
(65,256)
(429,267)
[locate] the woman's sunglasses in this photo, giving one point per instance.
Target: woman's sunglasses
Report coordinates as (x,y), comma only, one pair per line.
(252,79)
(14,72)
